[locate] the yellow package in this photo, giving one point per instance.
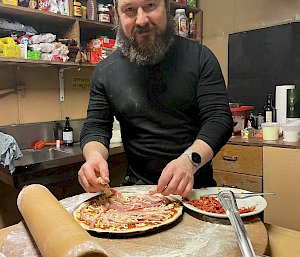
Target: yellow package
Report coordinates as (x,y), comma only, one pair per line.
(10,2)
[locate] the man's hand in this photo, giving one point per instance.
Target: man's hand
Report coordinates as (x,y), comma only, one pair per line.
(177,177)
(92,172)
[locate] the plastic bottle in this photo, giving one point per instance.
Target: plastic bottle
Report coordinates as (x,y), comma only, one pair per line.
(91,10)
(68,133)
(192,26)
(182,23)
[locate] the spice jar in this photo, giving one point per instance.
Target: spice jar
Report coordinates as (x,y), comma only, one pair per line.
(83,10)
(103,14)
(77,9)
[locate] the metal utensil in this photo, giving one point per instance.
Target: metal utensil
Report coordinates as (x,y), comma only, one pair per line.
(244,195)
(227,199)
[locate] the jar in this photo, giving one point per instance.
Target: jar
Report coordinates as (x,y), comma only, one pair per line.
(181,23)
(270,131)
(291,131)
(103,15)
(83,10)
(77,9)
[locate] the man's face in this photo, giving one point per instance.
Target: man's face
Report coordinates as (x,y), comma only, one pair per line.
(145,30)
(141,20)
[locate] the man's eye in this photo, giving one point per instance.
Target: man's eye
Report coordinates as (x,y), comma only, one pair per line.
(130,11)
(149,7)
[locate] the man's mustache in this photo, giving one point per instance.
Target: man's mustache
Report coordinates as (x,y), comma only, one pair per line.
(143,29)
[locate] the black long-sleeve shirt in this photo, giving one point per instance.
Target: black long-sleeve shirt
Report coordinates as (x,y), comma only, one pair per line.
(162,108)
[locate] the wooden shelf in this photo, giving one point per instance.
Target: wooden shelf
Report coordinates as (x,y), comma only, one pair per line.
(16,62)
(175,5)
(27,15)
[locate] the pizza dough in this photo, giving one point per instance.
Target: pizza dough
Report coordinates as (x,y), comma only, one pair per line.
(127,213)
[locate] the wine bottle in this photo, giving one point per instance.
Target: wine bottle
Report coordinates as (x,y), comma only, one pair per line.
(269,110)
(68,133)
(192,26)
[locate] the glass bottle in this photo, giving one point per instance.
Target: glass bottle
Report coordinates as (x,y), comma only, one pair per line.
(269,109)
(91,9)
(192,26)
(68,133)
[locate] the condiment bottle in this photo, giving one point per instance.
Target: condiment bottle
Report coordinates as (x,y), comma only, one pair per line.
(103,14)
(182,24)
(68,133)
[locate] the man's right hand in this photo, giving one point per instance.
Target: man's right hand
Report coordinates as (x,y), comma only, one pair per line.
(94,168)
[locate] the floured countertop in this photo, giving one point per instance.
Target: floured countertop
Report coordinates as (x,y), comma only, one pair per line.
(191,237)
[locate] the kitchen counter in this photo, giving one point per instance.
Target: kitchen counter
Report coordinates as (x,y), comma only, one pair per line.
(238,140)
(61,164)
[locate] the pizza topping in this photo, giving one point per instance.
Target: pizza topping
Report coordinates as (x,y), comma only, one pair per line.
(121,213)
(211,204)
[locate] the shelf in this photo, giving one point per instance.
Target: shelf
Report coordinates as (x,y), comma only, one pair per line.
(175,5)
(28,16)
(15,62)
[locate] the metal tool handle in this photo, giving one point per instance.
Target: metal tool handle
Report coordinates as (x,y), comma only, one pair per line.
(227,199)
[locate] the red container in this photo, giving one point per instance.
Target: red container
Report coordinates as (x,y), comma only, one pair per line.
(240,116)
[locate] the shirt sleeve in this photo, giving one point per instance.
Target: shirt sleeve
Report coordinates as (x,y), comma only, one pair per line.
(214,112)
(99,121)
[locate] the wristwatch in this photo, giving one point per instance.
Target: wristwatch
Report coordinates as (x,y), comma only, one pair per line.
(194,157)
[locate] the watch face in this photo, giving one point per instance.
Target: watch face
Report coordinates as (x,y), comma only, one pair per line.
(196,158)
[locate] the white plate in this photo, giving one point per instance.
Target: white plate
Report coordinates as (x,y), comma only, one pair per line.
(258,201)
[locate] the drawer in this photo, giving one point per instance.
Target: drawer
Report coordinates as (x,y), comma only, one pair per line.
(236,180)
(239,159)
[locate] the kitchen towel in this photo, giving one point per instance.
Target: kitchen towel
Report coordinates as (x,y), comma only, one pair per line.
(9,151)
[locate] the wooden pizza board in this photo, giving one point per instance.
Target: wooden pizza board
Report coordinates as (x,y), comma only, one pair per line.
(189,237)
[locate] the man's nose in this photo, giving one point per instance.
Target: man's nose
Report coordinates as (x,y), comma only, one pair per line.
(141,17)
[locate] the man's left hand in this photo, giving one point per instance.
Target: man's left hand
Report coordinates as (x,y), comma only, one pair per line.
(177,177)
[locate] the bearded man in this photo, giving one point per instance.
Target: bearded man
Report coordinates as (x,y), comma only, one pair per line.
(169,95)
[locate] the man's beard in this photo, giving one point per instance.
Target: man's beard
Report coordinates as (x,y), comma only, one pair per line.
(149,52)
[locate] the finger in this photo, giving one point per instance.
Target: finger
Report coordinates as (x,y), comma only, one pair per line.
(188,189)
(86,185)
(181,187)
(164,180)
(104,173)
(172,186)
(89,172)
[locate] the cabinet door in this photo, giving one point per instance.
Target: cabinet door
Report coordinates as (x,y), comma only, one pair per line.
(230,179)
(239,159)
(282,176)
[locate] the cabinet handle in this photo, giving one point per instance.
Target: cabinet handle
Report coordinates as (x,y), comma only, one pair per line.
(231,158)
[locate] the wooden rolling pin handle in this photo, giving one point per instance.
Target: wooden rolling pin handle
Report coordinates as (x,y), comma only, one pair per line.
(55,231)
(231,158)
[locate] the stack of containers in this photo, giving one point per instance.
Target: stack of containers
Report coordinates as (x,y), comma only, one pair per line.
(281,102)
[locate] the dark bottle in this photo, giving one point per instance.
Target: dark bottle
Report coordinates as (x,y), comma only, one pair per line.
(192,26)
(270,115)
(68,133)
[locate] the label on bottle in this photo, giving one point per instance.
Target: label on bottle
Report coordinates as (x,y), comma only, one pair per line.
(268,116)
(68,137)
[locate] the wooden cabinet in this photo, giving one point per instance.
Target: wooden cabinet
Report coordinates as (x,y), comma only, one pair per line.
(239,166)
(281,168)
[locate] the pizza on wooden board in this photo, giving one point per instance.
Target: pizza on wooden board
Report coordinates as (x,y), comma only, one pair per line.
(122,213)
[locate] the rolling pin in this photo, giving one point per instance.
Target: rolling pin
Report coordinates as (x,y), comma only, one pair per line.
(55,231)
